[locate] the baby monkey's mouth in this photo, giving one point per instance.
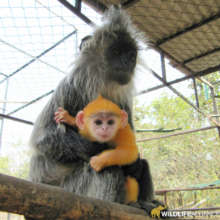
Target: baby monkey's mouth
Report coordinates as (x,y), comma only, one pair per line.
(104,137)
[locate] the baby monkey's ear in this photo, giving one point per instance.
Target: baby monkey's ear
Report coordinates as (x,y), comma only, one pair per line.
(124,119)
(80,120)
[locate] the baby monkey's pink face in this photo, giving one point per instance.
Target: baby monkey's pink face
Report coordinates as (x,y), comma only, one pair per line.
(104,126)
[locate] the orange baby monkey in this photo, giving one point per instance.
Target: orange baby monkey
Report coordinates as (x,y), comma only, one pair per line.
(103,121)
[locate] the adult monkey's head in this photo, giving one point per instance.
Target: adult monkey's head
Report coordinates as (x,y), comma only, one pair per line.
(113,47)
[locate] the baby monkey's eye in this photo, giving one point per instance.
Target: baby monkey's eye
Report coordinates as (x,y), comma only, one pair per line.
(98,122)
(111,122)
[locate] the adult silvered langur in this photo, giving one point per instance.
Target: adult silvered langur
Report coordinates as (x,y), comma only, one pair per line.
(106,66)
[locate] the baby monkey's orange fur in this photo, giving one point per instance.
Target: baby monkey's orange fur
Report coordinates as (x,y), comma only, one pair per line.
(121,137)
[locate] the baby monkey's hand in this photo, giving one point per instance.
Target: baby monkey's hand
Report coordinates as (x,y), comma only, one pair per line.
(97,163)
(63,116)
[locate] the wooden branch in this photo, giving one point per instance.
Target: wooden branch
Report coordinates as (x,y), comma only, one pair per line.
(41,201)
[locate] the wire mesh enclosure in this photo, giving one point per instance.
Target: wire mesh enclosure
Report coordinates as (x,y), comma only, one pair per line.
(37,39)
(38,43)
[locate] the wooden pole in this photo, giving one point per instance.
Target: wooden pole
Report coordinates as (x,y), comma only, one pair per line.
(39,201)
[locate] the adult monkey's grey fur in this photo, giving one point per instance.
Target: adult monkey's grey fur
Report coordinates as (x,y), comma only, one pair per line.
(105,66)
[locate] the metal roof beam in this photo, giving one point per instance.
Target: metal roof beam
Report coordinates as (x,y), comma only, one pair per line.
(201,55)
(31,102)
(96,5)
(16,119)
(173,82)
(188,29)
(207,71)
(28,54)
(101,7)
(4,75)
(76,11)
(129,3)
(38,56)
(78,4)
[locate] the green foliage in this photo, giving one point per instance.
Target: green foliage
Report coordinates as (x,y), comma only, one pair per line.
(204,92)
(181,161)
(4,165)
(16,162)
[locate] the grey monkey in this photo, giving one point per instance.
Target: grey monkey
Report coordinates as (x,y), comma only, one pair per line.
(105,65)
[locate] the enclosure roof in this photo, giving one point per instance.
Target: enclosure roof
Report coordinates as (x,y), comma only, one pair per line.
(186,31)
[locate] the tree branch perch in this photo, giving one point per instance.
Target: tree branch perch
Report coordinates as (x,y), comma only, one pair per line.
(46,202)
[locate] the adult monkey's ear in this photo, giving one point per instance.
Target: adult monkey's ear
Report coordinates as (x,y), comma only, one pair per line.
(80,120)
(124,119)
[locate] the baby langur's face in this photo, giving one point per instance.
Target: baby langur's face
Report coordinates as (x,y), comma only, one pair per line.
(104,126)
